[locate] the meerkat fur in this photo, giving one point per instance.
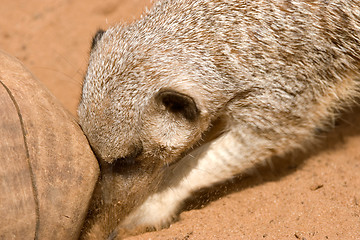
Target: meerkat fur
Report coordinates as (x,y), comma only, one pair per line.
(198,91)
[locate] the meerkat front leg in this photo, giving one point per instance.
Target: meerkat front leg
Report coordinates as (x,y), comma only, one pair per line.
(217,161)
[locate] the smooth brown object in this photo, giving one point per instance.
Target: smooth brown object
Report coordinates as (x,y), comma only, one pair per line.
(47,169)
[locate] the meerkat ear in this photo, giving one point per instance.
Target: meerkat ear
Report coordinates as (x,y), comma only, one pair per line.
(179,103)
(96,38)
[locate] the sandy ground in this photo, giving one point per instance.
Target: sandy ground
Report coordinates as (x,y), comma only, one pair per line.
(302,196)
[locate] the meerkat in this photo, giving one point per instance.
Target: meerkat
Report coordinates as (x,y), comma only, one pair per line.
(198,91)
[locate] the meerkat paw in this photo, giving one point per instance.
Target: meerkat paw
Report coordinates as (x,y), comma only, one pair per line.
(157,212)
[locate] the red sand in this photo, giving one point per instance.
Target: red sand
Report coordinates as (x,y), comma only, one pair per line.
(313,196)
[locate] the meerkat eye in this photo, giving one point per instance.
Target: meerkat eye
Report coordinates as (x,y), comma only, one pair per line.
(122,165)
(179,103)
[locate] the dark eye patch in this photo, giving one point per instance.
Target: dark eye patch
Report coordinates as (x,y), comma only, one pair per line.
(123,165)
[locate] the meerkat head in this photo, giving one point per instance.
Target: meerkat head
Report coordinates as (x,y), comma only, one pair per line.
(142,109)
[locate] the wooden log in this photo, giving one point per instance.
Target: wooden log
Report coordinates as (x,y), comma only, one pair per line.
(48,171)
